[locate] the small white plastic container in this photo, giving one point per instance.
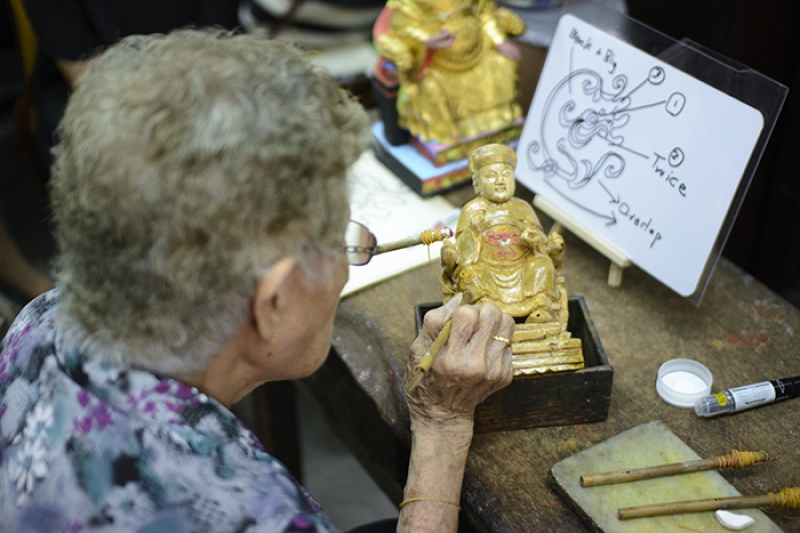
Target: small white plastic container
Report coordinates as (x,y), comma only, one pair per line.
(681,382)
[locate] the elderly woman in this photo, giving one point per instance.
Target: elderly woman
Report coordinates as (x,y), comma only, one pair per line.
(200,197)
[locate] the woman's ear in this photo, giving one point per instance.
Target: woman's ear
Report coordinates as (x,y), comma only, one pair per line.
(272,297)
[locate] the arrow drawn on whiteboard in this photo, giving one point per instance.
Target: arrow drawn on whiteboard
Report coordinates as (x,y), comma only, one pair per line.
(550,176)
(610,218)
(614,199)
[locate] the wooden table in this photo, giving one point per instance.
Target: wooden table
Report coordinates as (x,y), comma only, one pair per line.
(742,332)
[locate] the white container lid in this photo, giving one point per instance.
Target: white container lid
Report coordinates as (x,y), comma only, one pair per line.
(681,382)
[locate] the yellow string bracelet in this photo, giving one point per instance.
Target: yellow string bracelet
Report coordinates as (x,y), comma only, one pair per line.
(427,500)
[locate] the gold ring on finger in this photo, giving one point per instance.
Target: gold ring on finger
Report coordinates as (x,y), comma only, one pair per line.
(502,339)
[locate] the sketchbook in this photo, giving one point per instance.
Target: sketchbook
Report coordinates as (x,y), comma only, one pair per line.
(392,211)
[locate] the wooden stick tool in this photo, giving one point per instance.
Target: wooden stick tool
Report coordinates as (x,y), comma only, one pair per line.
(735,459)
(426,362)
(426,237)
(787,498)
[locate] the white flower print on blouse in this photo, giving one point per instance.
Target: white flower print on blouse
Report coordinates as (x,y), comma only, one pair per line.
(32,463)
(28,466)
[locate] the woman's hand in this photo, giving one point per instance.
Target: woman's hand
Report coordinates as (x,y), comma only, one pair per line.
(471,365)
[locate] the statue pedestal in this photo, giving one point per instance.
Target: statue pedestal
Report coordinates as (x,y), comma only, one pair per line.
(537,351)
(416,170)
(441,154)
(551,398)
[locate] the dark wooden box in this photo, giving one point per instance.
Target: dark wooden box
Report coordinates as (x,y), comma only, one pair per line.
(553,398)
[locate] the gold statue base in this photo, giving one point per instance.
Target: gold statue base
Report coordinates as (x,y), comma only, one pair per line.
(441,154)
(551,398)
(537,350)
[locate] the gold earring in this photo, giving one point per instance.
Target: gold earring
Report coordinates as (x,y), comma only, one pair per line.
(274,337)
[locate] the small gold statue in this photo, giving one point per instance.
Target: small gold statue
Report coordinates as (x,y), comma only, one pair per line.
(500,254)
(456,69)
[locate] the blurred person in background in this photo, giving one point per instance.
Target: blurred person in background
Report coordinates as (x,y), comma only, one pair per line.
(71,32)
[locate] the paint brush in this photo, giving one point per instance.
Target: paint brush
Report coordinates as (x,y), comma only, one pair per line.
(427,360)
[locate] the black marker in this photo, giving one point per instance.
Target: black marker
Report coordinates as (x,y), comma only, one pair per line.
(741,398)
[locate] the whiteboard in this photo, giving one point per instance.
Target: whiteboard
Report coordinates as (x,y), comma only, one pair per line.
(644,156)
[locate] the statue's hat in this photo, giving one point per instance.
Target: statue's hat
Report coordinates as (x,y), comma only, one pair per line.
(491,153)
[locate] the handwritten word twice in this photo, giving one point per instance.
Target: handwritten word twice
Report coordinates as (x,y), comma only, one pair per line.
(664,171)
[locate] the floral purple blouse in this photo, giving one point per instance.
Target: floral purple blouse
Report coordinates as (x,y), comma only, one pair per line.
(87,447)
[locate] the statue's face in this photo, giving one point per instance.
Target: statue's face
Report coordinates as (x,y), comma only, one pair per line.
(496,182)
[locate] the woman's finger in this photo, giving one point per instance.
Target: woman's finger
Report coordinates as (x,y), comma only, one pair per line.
(482,341)
(435,319)
(432,325)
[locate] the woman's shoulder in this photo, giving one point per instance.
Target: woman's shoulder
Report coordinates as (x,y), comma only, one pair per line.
(94,464)
(108,446)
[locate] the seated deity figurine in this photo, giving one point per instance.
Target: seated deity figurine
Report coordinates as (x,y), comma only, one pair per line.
(500,254)
(456,69)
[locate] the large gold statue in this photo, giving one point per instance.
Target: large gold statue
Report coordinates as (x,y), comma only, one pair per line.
(456,69)
(500,254)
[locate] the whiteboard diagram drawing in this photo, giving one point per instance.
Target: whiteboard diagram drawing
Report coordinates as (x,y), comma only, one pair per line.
(641,154)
